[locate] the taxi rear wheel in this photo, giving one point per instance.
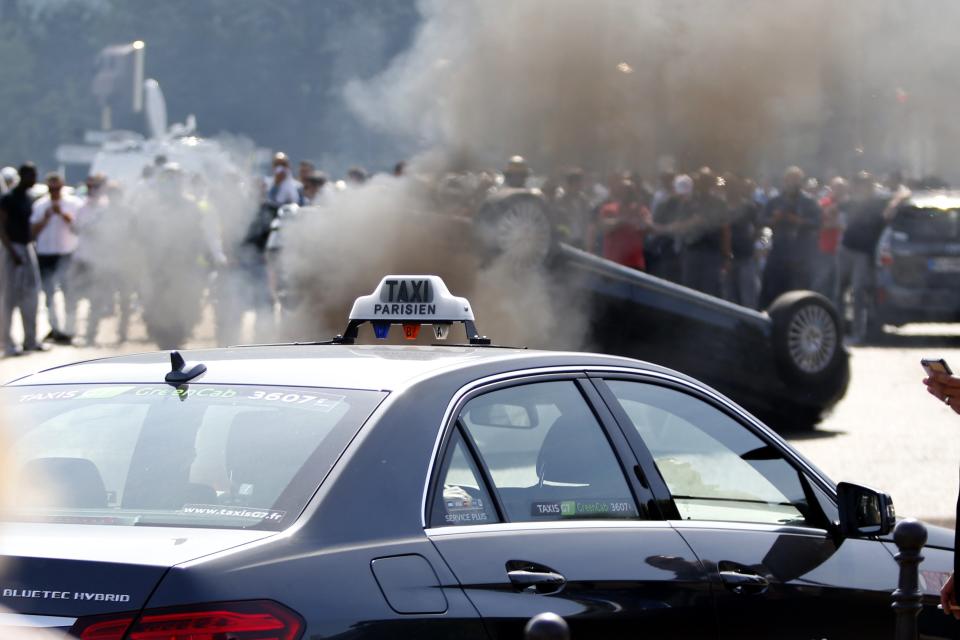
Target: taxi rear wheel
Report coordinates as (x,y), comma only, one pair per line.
(516,228)
(807,338)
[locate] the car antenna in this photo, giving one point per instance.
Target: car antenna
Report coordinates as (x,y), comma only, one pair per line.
(179,373)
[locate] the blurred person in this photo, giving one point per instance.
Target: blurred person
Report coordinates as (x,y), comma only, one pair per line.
(623,224)
(52,225)
(313,193)
(21,273)
(572,209)
(832,223)
(665,248)
(357,176)
(516,173)
(304,169)
(282,187)
(706,236)
(795,220)
(88,279)
(8,179)
(868,214)
(663,192)
(400,169)
(742,282)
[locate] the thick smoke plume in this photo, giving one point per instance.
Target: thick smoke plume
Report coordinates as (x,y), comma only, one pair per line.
(610,85)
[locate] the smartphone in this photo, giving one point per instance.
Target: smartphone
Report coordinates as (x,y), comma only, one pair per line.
(936,366)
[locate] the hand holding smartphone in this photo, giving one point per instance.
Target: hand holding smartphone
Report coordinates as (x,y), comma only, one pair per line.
(936,366)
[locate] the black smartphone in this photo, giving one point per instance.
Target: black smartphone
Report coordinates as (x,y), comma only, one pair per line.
(936,366)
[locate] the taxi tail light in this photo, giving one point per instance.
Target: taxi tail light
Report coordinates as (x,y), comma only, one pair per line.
(249,620)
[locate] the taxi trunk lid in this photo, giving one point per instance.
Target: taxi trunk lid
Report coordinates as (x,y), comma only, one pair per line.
(81,570)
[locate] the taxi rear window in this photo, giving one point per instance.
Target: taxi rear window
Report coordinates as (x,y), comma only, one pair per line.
(196,456)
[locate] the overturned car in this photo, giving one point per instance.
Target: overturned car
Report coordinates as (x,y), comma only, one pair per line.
(786,364)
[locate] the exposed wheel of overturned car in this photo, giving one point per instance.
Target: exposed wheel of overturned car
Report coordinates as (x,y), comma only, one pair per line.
(515,224)
(807,338)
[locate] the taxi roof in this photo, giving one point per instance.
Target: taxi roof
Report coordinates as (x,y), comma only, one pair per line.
(376,367)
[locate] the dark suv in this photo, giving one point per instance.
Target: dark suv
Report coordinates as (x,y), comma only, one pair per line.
(918,262)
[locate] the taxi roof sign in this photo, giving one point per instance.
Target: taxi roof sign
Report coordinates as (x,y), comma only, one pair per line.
(411,300)
(424,299)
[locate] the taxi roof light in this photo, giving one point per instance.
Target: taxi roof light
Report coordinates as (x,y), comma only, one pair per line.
(411,301)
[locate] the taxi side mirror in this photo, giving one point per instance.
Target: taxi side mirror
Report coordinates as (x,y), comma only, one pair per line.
(864,511)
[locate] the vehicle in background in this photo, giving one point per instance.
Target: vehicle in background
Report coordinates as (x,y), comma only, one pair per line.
(918,264)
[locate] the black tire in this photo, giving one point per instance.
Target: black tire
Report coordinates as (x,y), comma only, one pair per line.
(808,340)
(517,226)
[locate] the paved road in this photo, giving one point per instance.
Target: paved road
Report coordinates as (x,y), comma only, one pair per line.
(887,432)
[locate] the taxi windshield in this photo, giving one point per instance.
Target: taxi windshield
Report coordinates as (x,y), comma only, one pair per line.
(154,455)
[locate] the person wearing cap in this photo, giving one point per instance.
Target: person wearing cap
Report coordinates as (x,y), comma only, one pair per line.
(53,225)
(516,174)
(21,275)
(8,179)
(795,220)
(313,188)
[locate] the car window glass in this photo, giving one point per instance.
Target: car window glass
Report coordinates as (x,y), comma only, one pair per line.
(152,455)
(461,498)
(714,467)
(927,224)
(550,460)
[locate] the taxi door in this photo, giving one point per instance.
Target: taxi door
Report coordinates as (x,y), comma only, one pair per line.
(757,520)
(535,510)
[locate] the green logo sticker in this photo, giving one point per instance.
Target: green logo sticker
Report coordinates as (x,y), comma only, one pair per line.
(104,393)
(568,508)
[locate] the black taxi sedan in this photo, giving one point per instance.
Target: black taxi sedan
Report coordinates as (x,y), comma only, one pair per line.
(350,490)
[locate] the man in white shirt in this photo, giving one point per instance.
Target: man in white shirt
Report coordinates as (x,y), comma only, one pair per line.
(282,188)
(52,226)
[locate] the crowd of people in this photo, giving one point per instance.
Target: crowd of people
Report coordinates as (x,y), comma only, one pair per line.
(729,237)
(721,234)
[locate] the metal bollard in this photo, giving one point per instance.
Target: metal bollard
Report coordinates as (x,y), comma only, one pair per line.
(910,536)
(546,626)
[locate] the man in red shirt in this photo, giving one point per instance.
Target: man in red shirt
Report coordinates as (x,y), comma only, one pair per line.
(624,222)
(832,223)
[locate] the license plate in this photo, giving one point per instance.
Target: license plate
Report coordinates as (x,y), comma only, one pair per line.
(944,265)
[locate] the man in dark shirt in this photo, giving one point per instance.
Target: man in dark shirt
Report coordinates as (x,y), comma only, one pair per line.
(21,275)
(707,249)
(868,215)
(795,220)
(743,285)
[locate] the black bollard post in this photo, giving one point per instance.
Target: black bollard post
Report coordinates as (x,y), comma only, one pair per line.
(910,536)
(546,626)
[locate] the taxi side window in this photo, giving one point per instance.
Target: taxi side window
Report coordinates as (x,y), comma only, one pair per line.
(714,467)
(461,498)
(546,454)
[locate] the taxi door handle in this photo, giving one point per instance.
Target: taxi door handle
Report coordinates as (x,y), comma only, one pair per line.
(744,583)
(538,581)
